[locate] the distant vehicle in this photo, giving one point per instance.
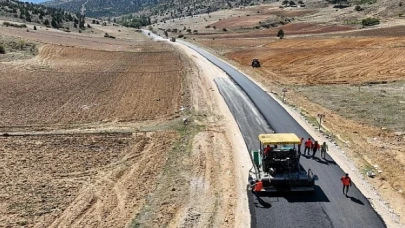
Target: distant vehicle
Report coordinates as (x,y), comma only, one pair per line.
(278,166)
(173,39)
(255,63)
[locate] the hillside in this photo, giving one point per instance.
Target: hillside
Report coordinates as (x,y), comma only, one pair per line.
(169,9)
(173,8)
(22,12)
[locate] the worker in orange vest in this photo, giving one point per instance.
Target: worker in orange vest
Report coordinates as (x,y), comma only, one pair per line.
(346,181)
(258,186)
(267,150)
(308,146)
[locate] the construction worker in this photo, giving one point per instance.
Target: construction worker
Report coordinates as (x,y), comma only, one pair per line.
(267,150)
(346,181)
(315,148)
(308,146)
(324,148)
(257,187)
(299,145)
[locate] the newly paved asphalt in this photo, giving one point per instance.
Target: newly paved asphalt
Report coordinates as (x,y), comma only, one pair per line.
(327,207)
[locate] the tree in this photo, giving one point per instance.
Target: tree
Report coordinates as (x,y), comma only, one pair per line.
(280,34)
(285,2)
(370,21)
(46,22)
(54,24)
(358,8)
(2,49)
(35,27)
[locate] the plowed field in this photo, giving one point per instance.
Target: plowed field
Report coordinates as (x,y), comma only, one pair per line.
(67,180)
(92,135)
(328,61)
(66,85)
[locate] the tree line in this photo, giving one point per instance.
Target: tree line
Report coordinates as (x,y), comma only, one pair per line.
(40,14)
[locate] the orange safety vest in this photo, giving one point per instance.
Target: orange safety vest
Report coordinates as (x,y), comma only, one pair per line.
(345,180)
(258,186)
(308,144)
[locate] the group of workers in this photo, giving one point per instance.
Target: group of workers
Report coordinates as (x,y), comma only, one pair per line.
(314,146)
(308,146)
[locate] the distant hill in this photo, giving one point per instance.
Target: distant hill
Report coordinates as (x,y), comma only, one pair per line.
(179,8)
(33,13)
(175,8)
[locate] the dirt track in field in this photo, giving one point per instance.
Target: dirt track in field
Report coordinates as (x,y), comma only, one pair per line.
(80,180)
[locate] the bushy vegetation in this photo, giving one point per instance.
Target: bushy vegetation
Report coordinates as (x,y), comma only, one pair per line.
(362,2)
(280,34)
(358,8)
(7,24)
(134,21)
(168,9)
(109,36)
(29,12)
(2,49)
(370,21)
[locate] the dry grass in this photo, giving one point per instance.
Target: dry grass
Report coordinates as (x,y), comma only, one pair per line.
(381,105)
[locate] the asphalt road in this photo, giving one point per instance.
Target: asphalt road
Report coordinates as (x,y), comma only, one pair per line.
(327,207)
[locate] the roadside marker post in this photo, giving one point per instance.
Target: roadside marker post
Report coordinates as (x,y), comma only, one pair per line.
(320,120)
(284,91)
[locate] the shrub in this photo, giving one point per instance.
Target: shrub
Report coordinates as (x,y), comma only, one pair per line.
(214,27)
(292,3)
(195,31)
(109,36)
(188,30)
(224,29)
(6,23)
(35,27)
(370,21)
(180,36)
(2,49)
(280,34)
(358,8)
(207,26)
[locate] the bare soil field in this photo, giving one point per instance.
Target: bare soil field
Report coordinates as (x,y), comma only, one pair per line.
(64,180)
(328,61)
(74,85)
(99,132)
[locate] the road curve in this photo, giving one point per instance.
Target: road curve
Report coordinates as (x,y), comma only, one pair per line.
(328,207)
